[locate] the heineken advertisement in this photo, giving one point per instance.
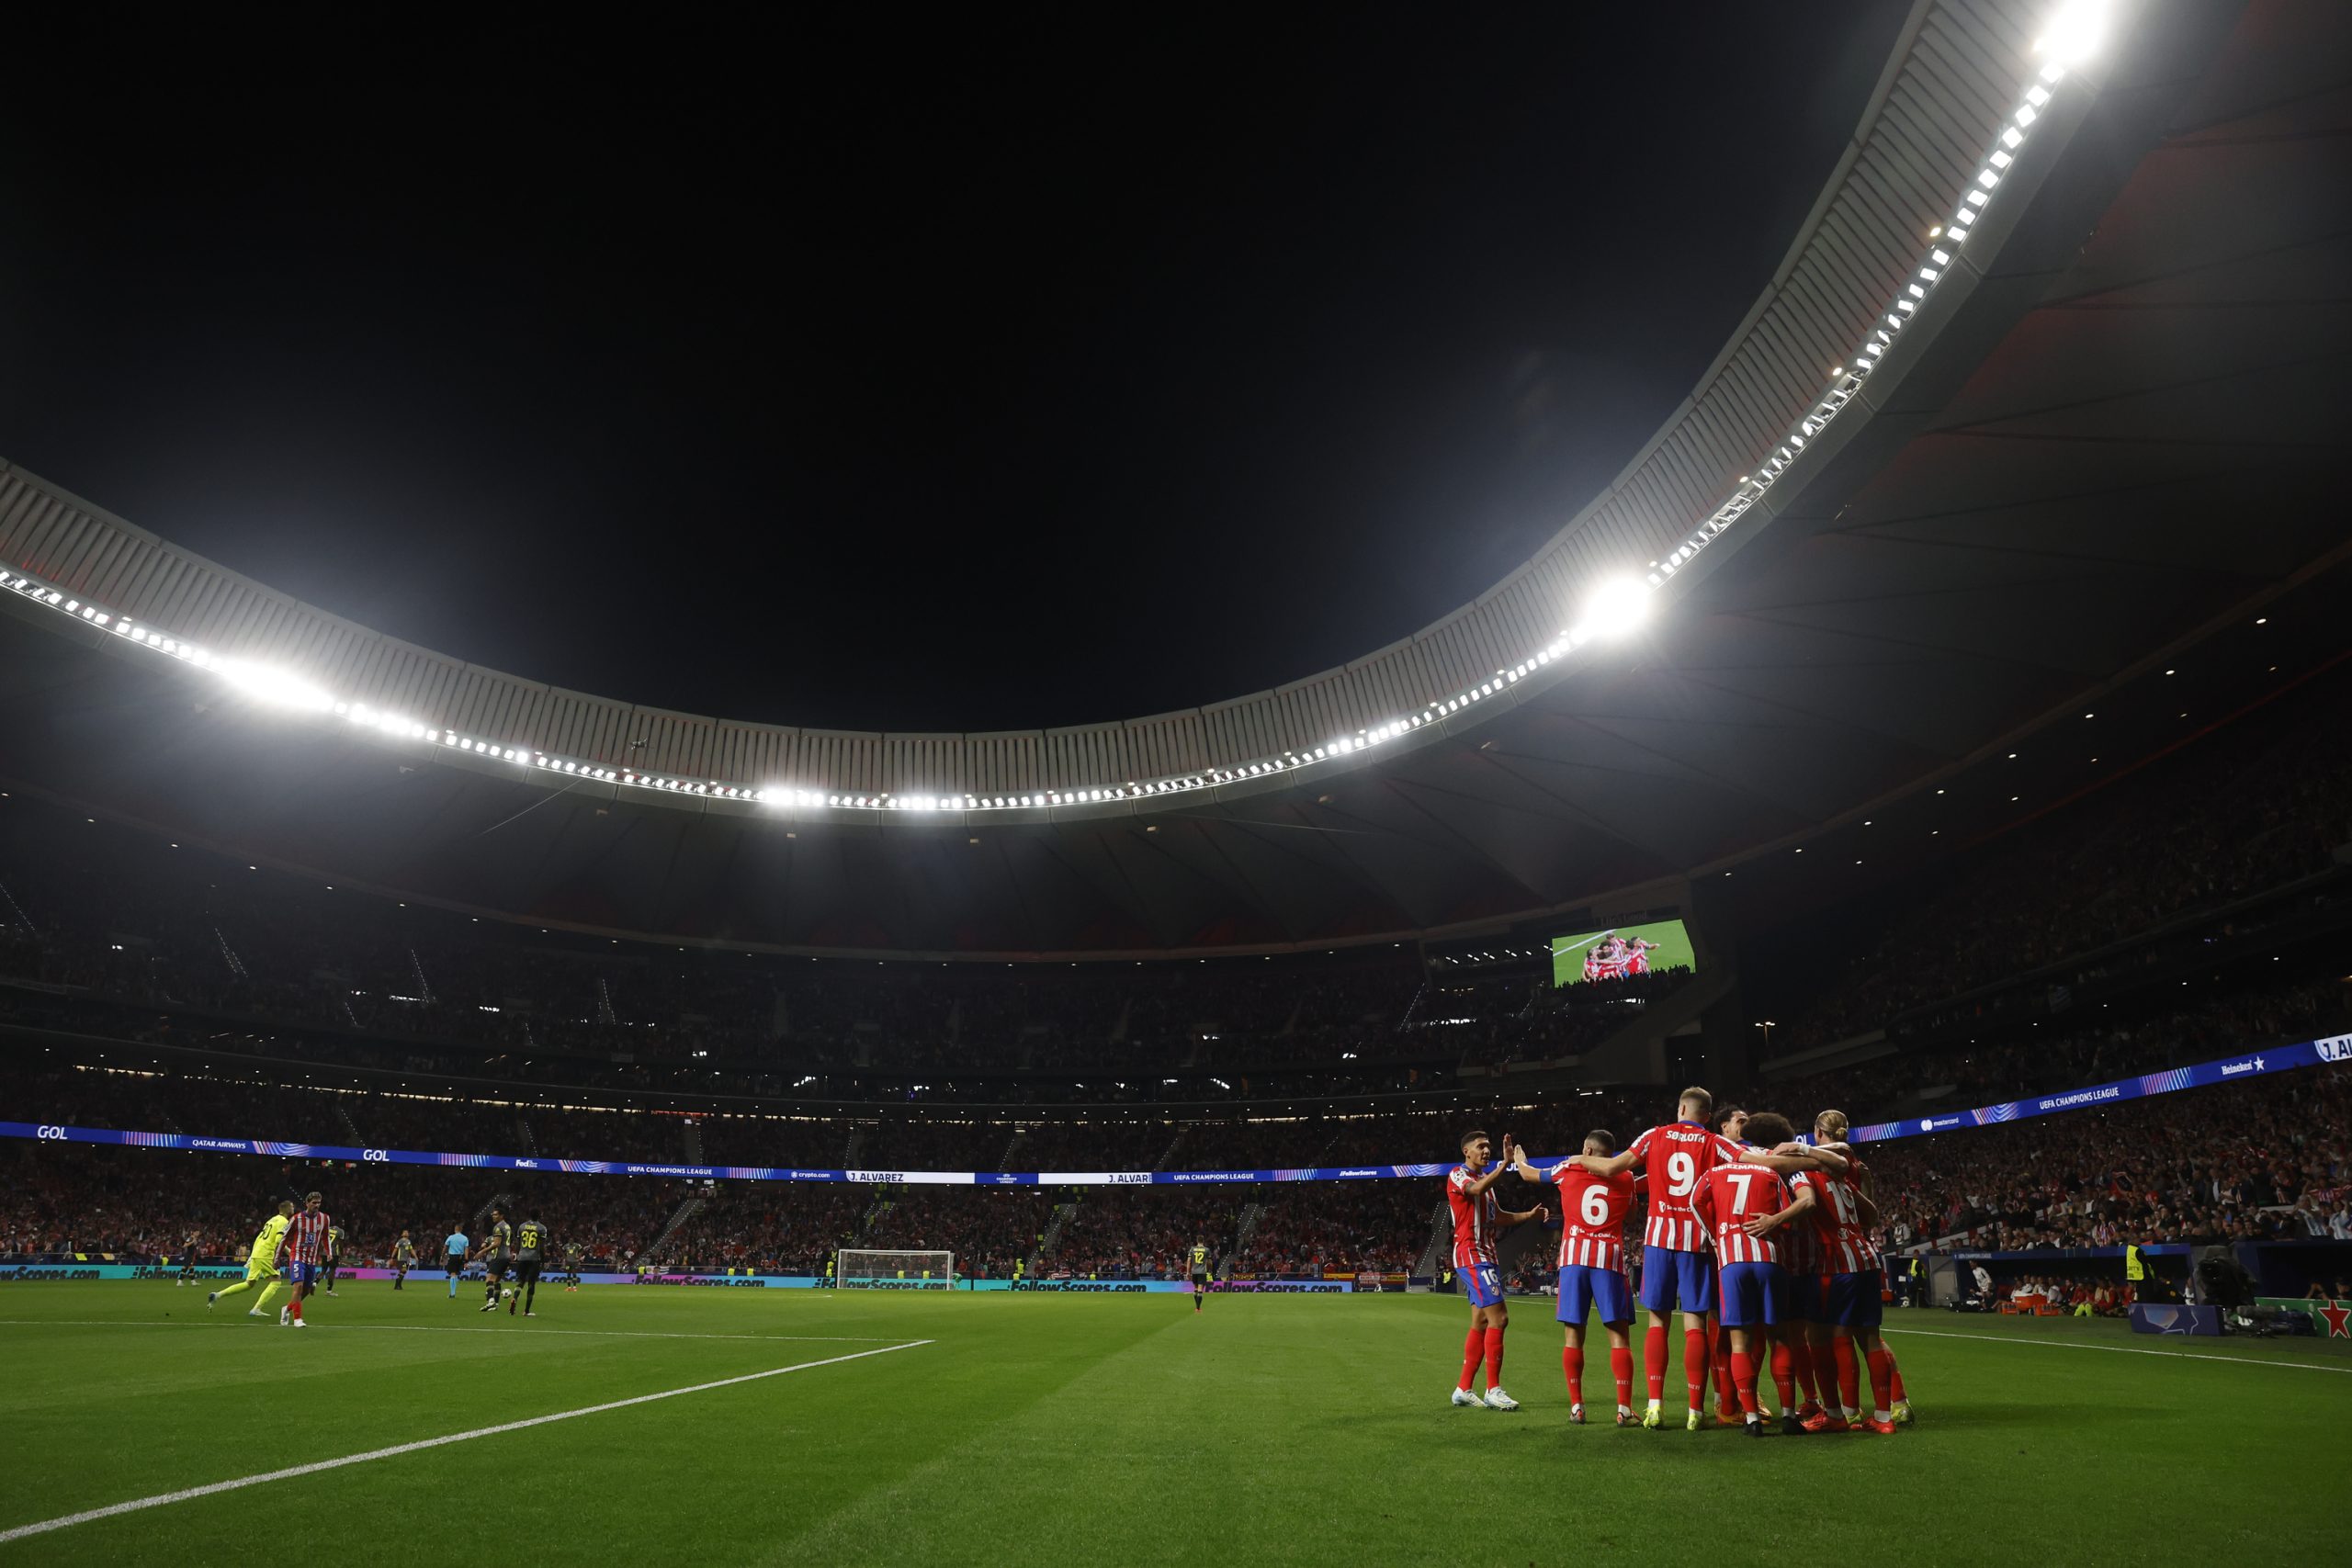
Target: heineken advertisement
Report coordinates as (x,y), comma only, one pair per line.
(2272,1059)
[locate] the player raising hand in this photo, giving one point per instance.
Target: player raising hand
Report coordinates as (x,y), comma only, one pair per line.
(1479,1219)
(1592,1266)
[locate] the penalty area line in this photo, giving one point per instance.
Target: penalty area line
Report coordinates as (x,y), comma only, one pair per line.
(157,1500)
(2119,1349)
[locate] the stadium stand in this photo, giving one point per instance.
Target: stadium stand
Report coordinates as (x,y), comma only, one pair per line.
(151,987)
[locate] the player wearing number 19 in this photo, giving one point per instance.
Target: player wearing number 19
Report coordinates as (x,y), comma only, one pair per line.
(1592,1267)
(1479,1219)
(1850,1306)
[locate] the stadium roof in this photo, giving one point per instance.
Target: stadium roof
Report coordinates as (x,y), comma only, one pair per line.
(2042,391)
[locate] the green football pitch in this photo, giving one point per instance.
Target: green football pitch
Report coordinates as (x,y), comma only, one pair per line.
(816,1427)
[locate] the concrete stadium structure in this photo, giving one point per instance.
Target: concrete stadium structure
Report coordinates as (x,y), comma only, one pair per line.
(2041,394)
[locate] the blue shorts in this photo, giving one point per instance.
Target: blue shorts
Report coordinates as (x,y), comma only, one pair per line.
(1481,1283)
(1584,1289)
(1668,1277)
(1755,1294)
(302,1273)
(1854,1301)
(1809,1297)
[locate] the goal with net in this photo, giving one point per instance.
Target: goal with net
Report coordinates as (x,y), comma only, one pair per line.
(870,1270)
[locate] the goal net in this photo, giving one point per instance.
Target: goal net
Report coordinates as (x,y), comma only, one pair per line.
(867,1270)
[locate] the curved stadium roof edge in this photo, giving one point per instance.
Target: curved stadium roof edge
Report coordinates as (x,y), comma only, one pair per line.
(1961,101)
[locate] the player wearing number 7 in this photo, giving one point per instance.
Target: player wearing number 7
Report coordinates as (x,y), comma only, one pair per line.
(1742,1206)
(1592,1267)
(1677,1270)
(1479,1219)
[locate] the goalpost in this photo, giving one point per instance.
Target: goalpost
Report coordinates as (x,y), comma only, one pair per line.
(860,1269)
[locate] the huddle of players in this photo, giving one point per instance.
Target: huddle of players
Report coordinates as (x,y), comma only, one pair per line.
(1756,1237)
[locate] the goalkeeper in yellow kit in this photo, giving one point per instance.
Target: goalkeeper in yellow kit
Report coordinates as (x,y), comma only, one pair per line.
(261,1263)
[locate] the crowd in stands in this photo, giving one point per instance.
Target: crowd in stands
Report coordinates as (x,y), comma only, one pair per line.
(185,946)
(2267,1159)
(2239,813)
(2048,1058)
(249,1006)
(61,1200)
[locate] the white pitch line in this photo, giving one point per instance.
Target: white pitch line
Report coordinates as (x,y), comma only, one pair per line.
(460,1328)
(45,1526)
(2123,1351)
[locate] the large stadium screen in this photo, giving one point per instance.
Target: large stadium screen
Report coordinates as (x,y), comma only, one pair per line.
(1619,952)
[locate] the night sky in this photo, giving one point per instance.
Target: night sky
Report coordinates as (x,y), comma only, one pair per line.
(883,378)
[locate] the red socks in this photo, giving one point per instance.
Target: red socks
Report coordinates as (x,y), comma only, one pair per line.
(1785,1374)
(1572,1366)
(1743,1378)
(1473,1350)
(1621,1362)
(1719,1362)
(1494,1359)
(1896,1372)
(295,1306)
(1881,1381)
(1694,1365)
(1653,1360)
(1823,1373)
(1849,1376)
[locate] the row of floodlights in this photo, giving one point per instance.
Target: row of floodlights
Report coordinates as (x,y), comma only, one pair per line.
(1613,608)
(2074,32)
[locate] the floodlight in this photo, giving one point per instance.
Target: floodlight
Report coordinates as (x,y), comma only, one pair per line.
(1615,607)
(273,685)
(2075,33)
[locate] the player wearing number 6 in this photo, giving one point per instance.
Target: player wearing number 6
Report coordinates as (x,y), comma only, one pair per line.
(1677,1270)
(1592,1267)
(1479,1219)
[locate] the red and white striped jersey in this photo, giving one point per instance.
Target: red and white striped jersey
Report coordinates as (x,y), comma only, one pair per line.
(1845,1240)
(1476,1220)
(1592,1217)
(1674,1158)
(1729,1196)
(1802,1242)
(306,1238)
